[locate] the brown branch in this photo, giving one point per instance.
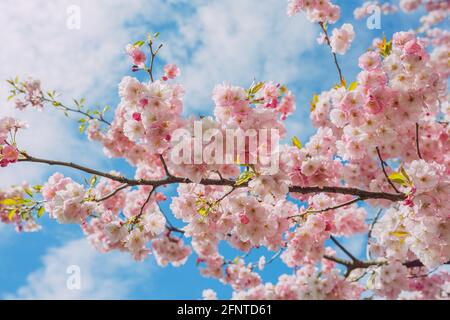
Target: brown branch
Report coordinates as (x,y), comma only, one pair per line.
(152,58)
(329,208)
(417,141)
(146,202)
(112,194)
(384,170)
(366,264)
(166,169)
(327,39)
(348,253)
(215,182)
(63,106)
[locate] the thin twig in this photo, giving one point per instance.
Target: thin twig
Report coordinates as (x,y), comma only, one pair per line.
(329,208)
(327,39)
(64,107)
(146,202)
(113,193)
(369,235)
(152,58)
(348,253)
(384,170)
(417,141)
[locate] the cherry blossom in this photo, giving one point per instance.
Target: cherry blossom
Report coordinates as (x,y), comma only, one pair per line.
(376,167)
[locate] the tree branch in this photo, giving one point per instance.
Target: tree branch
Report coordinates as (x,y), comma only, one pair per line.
(417,142)
(329,208)
(327,39)
(384,170)
(113,193)
(363,194)
(348,253)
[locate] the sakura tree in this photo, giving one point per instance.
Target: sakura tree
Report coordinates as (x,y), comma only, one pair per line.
(378,165)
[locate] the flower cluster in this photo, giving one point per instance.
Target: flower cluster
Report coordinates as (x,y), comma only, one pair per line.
(316,10)
(14,211)
(342,38)
(8,151)
(65,199)
(382,139)
(307,283)
(33,96)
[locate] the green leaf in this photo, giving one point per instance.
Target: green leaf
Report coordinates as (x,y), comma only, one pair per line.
(399,233)
(398,178)
(82,127)
(12,213)
(255,88)
(156,35)
(296,142)
(371,281)
(8,202)
(138,43)
(353,86)
(28,191)
(203,211)
(244,177)
(313,102)
(40,212)
(405,174)
(93,180)
(37,188)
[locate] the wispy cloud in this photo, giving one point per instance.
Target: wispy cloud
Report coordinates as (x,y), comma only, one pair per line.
(234,41)
(103,276)
(81,62)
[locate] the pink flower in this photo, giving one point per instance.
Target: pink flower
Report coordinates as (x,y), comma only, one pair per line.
(137,55)
(171,71)
(137,116)
(412,47)
(10,154)
(370,61)
(342,38)
(373,105)
(243,218)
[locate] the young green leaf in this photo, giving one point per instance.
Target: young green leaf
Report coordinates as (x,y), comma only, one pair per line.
(353,86)
(40,212)
(244,177)
(138,43)
(397,178)
(296,142)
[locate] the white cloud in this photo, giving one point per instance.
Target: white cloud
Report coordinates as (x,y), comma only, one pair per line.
(103,276)
(235,41)
(86,62)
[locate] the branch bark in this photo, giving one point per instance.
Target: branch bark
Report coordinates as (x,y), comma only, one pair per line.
(363,194)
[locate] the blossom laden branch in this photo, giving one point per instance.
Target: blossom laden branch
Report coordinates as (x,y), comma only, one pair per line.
(363,194)
(34,95)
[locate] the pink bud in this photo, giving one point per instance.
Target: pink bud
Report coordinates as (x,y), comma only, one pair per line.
(164,78)
(243,218)
(137,116)
(143,102)
(10,153)
(3,163)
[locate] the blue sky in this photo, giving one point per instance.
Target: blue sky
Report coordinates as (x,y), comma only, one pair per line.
(211,41)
